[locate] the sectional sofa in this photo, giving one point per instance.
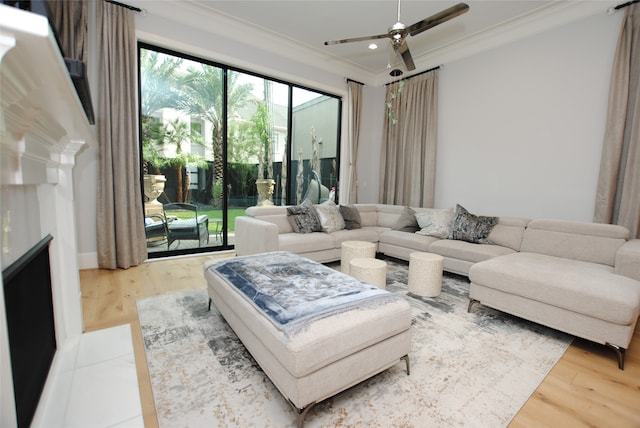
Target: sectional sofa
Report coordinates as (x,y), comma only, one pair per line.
(581,278)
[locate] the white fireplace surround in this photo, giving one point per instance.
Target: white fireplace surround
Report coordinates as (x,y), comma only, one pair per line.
(42,128)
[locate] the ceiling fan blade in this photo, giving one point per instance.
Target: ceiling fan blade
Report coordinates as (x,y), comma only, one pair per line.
(356,39)
(403,50)
(438,18)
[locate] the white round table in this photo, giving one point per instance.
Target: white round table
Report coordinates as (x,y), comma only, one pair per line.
(425,274)
(353,250)
(371,271)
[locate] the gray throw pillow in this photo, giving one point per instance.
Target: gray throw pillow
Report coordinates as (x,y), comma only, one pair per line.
(305,218)
(351,217)
(407,221)
(471,228)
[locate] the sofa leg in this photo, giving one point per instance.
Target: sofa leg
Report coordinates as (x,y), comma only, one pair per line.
(620,353)
(210,301)
(302,413)
(406,360)
(471,303)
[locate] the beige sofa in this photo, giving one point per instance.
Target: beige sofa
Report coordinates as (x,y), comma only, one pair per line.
(265,229)
(581,278)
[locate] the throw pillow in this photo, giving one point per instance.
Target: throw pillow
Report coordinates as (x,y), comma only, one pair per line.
(407,221)
(330,217)
(471,228)
(305,218)
(436,223)
(351,217)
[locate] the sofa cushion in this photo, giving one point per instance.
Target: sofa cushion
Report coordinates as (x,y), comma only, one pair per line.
(330,217)
(305,218)
(388,215)
(435,222)
(470,227)
(588,242)
(590,289)
(407,240)
(508,232)
(368,214)
(351,216)
(468,251)
(407,221)
(301,243)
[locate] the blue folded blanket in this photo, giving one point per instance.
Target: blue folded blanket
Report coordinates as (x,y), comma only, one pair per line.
(293,291)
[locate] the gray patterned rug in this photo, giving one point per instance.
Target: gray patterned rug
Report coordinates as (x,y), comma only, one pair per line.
(467,369)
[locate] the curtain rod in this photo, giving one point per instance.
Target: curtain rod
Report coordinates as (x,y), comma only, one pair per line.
(355,81)
(422,72)
(117,3)
(629,3)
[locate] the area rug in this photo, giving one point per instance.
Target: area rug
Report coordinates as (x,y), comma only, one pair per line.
(467,369)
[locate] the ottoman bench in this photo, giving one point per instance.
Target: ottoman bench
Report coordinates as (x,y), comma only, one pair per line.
(314,331)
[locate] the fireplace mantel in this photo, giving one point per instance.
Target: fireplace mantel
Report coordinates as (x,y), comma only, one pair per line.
(42,128)
(45,124)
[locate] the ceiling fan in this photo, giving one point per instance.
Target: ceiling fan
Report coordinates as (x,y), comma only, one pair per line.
(398,33)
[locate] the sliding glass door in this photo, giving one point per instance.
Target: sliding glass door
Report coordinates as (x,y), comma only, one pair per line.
(219,140)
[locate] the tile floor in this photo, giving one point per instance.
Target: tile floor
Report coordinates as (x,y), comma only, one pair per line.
(94,383)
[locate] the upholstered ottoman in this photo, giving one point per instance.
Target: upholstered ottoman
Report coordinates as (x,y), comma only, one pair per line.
(311,344)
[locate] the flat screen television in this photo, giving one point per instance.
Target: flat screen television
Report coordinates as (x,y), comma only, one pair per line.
(76,67)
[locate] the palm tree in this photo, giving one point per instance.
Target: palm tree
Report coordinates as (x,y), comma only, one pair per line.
(176,133)
(203,92)
(158,81)
(159,74)
(261,128)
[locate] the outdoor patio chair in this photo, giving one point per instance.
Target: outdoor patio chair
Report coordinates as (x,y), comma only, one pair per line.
(155,228)
(184,223)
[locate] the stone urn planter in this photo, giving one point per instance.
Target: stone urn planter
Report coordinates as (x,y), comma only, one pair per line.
(153,188)
(265,190)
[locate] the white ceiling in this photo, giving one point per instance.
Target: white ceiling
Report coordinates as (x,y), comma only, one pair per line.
(299,28)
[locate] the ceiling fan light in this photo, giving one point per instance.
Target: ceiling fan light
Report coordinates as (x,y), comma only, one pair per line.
(395,72)
(373,46)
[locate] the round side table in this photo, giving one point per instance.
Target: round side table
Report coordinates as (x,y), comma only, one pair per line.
(425,274)
(371,271)
(354,250)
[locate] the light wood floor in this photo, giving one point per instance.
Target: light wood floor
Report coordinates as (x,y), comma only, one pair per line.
(584,389)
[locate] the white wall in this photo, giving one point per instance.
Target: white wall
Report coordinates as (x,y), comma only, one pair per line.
(521,126)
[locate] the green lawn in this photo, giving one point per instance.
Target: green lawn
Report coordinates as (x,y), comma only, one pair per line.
(232,214)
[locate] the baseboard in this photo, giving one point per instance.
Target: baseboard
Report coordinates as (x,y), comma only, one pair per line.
(88,260)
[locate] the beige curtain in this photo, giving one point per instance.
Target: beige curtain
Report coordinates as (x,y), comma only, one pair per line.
(120,229)
(349,193)
(69,18)
(408,158)
(618,192)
